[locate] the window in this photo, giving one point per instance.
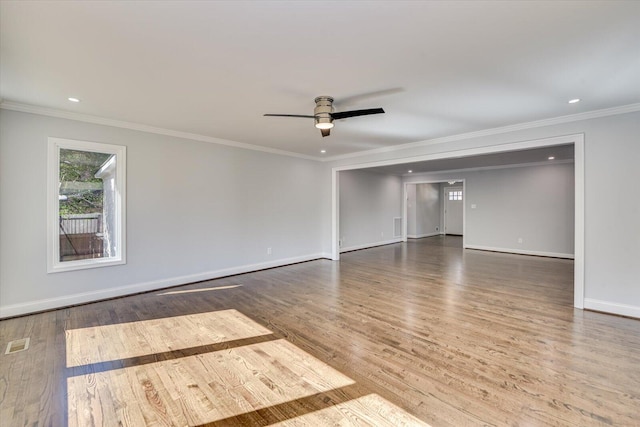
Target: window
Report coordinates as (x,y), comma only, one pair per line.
(86,205)
(455,195)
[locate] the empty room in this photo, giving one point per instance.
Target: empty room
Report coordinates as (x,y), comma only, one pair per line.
(305,213)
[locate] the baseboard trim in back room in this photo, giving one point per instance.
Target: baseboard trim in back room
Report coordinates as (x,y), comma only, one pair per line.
(521,251)
(369,245)
(612,307)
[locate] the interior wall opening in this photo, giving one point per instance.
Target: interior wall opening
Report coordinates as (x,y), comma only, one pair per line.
(575,141)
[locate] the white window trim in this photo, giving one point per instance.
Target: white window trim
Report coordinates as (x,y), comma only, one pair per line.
(54,264)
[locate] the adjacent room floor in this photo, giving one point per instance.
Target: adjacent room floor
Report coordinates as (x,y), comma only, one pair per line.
(421,333)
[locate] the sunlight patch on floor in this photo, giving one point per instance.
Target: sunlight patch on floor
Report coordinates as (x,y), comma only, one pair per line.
(97,344)
(369,410)
(249,373)
(192,291)
(200,389)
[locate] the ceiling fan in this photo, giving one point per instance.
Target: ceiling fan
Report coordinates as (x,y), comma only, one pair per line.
(324,115)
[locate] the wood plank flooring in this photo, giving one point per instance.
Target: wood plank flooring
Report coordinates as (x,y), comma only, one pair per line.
(406,334)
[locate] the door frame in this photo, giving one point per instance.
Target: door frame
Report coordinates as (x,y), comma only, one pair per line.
(578,143)
(405,207)
(446,200)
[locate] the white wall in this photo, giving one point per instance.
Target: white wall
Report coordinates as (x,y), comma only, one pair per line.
(231,204)
(423,210)
(534,203)
(412,226)
(195,210)
(612,209)
(368,204)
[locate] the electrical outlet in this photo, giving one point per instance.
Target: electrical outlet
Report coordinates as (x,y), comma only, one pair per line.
(520,240)
(268,251)
(382,234)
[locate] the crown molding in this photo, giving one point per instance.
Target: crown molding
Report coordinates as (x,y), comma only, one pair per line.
(630,108)
(26,108)
(486,168)
(51,112)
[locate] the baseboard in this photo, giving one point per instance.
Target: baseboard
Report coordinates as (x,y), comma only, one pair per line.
(612,307)
(521,251)
(370,245)
(87,297)
(420,236)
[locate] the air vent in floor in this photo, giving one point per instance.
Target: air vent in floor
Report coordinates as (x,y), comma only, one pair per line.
(17,345)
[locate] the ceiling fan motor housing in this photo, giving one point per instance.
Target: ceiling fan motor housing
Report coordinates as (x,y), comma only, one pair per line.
(322,112)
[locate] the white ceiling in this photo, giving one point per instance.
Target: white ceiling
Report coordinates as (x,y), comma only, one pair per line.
(560,153)
(214,68)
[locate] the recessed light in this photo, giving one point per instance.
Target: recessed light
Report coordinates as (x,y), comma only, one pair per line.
(410,171)
(73,99)
(574,100)
(323,151)
(551,157)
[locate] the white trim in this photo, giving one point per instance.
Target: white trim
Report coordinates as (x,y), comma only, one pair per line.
(371,245)
(466,152)
(420,236)
(612,307)
(623,109)
(43,111)
(576,139)
(445,198)
(54,265)
(485,168)
(441,194)
(405,213)
(33,109)
(578,268)
(335,216)
(521,251)
(87,297)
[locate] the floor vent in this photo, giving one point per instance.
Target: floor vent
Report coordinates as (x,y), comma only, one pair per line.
(17,345)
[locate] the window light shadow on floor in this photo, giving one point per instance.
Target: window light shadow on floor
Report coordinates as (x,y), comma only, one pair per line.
(192,291)
(210,387)
(106,343)
(370,410)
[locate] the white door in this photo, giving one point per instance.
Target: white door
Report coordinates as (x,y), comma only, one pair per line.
(453,207)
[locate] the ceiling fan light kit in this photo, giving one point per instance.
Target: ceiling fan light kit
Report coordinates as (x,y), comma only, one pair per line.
(324,115)
(322,112)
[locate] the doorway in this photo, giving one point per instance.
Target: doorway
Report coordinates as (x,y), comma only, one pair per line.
(577,140)
(453,211)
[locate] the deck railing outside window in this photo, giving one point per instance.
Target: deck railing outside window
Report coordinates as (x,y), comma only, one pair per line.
(81,236)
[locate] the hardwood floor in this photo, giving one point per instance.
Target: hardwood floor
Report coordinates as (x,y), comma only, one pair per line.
(405,334)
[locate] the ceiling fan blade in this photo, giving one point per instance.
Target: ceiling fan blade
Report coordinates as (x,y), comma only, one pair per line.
(354,99)
(325,132)
(289,115)
(354,113)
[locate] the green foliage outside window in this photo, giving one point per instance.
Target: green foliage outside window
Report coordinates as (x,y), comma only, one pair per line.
(81,191)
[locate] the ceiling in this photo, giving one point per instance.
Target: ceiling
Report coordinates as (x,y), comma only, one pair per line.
(214,68)
(560,153)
